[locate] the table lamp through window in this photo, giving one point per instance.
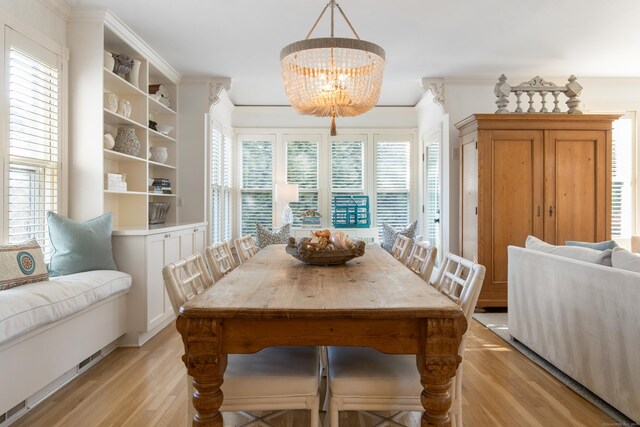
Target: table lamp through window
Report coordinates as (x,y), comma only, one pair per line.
(287,193)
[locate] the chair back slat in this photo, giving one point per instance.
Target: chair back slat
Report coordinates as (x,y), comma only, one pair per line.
(422,259)
(461,281)
(220,260)
(246,248)
(401,248)
(186,278)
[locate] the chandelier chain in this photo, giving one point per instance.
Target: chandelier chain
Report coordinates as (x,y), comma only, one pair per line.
(315,24)
(333,5)
(348,22)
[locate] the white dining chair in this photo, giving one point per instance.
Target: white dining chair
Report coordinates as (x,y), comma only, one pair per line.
(274,379)
(246,248)
(422,259)
(220,260)
(401,248)
(364,379)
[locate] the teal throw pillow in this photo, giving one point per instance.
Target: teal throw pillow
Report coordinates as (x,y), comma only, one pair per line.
(79,247)
(598,246)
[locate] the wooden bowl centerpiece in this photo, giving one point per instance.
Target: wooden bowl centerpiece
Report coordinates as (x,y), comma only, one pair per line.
(325,248)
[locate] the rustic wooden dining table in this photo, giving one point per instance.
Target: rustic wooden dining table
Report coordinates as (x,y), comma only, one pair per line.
(274,299)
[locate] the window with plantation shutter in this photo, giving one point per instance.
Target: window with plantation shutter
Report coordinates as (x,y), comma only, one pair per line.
(256,204)
(347,169)
(221,173)
(392,183)
(34,140)
(302,169)
(622,189)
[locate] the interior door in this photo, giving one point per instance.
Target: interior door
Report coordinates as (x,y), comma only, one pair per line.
(433,225)
(576,204)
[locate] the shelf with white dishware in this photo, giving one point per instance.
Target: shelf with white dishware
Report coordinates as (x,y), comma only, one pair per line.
(121,157)
(156,107)
(116,84)
(115,119)
(154,134)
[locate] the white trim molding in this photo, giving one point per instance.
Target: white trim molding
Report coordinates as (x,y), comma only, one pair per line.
(61,8)
(436,87)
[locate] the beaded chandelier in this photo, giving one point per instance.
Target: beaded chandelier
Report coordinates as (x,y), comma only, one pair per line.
(332,76)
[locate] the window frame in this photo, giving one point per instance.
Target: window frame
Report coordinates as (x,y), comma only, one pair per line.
(286,140)
(241,138)
(34,43)
(225,134)
(281,135)
(411,188)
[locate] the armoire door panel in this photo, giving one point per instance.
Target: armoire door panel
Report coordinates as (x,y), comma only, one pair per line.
(469,201)
(517,192)
(575,186)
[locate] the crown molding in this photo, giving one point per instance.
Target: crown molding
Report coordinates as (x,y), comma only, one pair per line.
(60,7)
(215,88)
(436,86)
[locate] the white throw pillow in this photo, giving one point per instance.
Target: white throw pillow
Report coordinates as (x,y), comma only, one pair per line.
(575,252)
(625,260)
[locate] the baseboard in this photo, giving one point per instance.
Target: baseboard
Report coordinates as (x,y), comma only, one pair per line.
(137,339)
(22,408)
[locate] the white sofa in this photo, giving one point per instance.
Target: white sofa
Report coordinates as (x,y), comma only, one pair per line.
(48,328)
(584,318)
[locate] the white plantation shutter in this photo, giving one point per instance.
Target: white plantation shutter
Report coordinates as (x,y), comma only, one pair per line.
(217,198)
(347,169)
(302,169)
(34,138)
(257,182)
(433,194)
(227,188)
(622,217)
(221,173)
(392,183)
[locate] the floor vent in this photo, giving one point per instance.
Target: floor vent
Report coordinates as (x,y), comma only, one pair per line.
(84,364)
(7,417)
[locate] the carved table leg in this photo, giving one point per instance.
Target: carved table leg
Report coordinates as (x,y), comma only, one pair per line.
(206,364)
(437,366)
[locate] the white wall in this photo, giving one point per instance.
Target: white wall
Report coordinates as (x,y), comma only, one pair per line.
(287,117)
(44,17)
(193,99)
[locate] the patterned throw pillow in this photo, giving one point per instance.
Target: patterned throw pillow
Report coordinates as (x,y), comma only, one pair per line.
(389,234)
(266,237)
(22,263)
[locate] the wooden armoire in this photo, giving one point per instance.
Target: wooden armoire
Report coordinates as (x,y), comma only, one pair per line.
(548,175)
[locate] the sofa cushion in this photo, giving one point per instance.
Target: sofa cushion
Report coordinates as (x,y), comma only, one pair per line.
(390,233)
(29,306)
(79,247)
(625,260)
(575,252)
(599,246)
(22,263)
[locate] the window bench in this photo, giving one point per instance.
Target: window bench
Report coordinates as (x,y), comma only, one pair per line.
(48,329)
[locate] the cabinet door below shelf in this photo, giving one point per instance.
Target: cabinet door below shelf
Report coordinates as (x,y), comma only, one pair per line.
(161,250)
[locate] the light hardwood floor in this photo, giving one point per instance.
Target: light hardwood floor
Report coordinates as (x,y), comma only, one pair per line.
(146,387)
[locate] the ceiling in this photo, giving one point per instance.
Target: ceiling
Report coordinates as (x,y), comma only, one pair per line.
(242,39)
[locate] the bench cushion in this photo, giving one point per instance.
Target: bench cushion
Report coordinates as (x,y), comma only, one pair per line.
(29,306)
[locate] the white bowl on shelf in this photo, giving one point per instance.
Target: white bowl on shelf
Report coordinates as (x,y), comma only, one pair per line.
(164,129)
